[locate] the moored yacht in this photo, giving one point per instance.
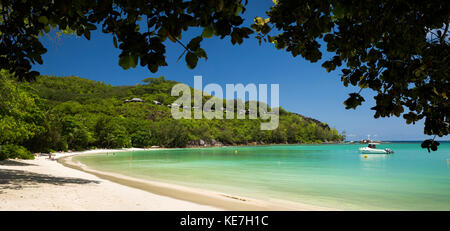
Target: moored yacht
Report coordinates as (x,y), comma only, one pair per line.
(372,149)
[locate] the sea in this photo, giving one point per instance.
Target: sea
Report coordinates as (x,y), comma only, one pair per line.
(335,176)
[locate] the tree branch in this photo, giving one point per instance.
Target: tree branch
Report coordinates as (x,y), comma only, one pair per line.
(178,41)
(444,34)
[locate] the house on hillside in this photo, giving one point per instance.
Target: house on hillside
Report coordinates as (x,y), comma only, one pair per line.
(156,102)
(134,100)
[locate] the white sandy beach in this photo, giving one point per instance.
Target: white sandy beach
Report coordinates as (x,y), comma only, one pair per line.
(48,184)
(43,184)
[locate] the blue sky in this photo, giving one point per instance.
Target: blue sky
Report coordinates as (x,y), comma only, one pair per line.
(305,88)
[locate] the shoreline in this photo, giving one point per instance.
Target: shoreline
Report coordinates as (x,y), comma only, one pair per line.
(103,150)
(253,144)
(193,195)
(43,184)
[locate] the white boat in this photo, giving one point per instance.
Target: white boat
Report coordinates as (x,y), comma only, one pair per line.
(371,149)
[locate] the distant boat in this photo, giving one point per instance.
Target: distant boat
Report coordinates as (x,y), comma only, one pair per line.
(372,149)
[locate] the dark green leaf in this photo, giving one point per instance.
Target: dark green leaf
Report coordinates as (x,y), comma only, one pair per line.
(191,60)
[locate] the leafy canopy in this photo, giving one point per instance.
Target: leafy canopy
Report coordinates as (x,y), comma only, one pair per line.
(398,48)
(139,28)
(20,112)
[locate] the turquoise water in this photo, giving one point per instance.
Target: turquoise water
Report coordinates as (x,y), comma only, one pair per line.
(335,176)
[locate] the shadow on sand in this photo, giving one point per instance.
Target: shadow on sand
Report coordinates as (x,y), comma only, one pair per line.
(14,163)
(18,179)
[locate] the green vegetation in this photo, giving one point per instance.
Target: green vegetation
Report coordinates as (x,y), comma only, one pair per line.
(71,113)
(12,151)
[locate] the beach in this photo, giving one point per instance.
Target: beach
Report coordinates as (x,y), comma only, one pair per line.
(279,177)
(46,185)
(59,184)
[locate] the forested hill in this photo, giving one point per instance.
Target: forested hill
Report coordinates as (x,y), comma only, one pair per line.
(72,113)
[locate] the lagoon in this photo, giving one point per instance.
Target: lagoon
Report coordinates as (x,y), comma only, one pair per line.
(328,175)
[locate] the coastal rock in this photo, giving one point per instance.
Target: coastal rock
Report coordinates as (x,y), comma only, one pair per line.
(216,143)
(203,143)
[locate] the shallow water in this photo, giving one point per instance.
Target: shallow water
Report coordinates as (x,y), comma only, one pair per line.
(334,176)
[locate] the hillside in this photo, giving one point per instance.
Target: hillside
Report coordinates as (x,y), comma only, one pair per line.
(73,113)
